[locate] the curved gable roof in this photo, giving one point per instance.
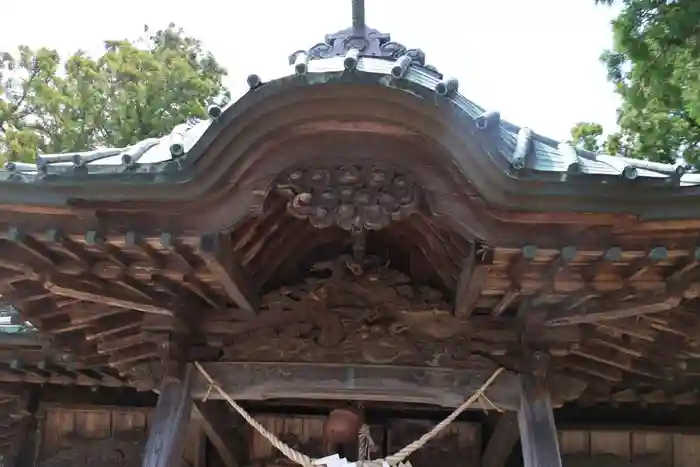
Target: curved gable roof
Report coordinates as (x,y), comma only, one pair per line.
(355,56)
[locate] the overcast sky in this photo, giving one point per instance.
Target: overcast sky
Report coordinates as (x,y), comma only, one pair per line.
(535,61)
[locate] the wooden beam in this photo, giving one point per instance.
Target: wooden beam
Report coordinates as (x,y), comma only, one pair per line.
(607,310)
(200,450)
(35,248)
(502,441)
(216,423)
(70,287)
(515,271)
(406,384)
(471,281)
(566,255)
(538,433)
(170,419)
(488,329)
(217,253)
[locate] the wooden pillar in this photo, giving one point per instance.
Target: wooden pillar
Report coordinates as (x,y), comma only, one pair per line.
(502,441)
(217,423)
(27,445)
(24,449)
(172,414)
(538,433)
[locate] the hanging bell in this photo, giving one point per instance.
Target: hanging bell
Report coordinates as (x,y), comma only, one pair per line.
(341,428)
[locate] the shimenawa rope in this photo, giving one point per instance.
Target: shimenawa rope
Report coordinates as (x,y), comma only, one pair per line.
(365,443)
(306,461)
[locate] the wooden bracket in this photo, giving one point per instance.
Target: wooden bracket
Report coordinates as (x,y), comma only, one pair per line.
(217,253)
(471,281)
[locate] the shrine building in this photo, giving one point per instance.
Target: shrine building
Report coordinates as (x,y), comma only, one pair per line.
(350,251)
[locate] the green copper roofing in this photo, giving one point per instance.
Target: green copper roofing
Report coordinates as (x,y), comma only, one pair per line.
(362,56)
(167,159)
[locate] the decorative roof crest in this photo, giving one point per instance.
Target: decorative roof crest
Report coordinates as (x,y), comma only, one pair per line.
(367,41)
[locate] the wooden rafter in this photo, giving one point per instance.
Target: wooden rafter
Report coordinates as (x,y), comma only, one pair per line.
(216,251)
(107,295)
(612,317)
(515,270)
(471,281)
(608,311)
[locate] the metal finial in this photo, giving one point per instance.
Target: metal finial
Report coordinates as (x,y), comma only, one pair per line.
(358,14)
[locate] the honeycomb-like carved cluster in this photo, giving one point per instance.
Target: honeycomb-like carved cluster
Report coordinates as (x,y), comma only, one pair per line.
(352,197)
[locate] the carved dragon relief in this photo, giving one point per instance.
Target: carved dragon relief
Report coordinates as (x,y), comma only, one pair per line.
(357,316)
(361,312)
(368,313)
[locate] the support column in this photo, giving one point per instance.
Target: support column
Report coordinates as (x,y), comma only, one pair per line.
(24,449)
(502,441)
(27,444)
(219,426)
(172,415)
(538,433)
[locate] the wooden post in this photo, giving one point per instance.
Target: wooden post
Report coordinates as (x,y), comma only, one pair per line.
(170,419)
(27,452)
(502,441)
(538,433)
(217,425)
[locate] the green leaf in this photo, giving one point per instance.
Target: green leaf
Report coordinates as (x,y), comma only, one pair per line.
(136,89)
(655,66)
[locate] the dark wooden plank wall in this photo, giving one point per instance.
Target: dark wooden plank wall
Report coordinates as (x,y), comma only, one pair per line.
(110,436)
(643,448)
(91,436)
(459,445)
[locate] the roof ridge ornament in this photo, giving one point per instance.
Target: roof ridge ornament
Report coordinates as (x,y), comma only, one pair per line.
(367,41)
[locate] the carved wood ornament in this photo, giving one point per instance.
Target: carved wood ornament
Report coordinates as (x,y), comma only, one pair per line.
(351,197)
(351,223)
(361,233)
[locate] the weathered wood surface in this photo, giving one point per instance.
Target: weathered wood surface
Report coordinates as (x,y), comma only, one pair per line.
(457,445)
(16,426)
(170,420)
(115,436)
(502,441)
(113,272)
(614,311)
(109,437)
(538,434)
(302,432)
(629,448)
(217,421)
(435,386)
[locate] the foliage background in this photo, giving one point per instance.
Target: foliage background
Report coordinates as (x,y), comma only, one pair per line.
(141,88)
(655,67)
(135,90)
